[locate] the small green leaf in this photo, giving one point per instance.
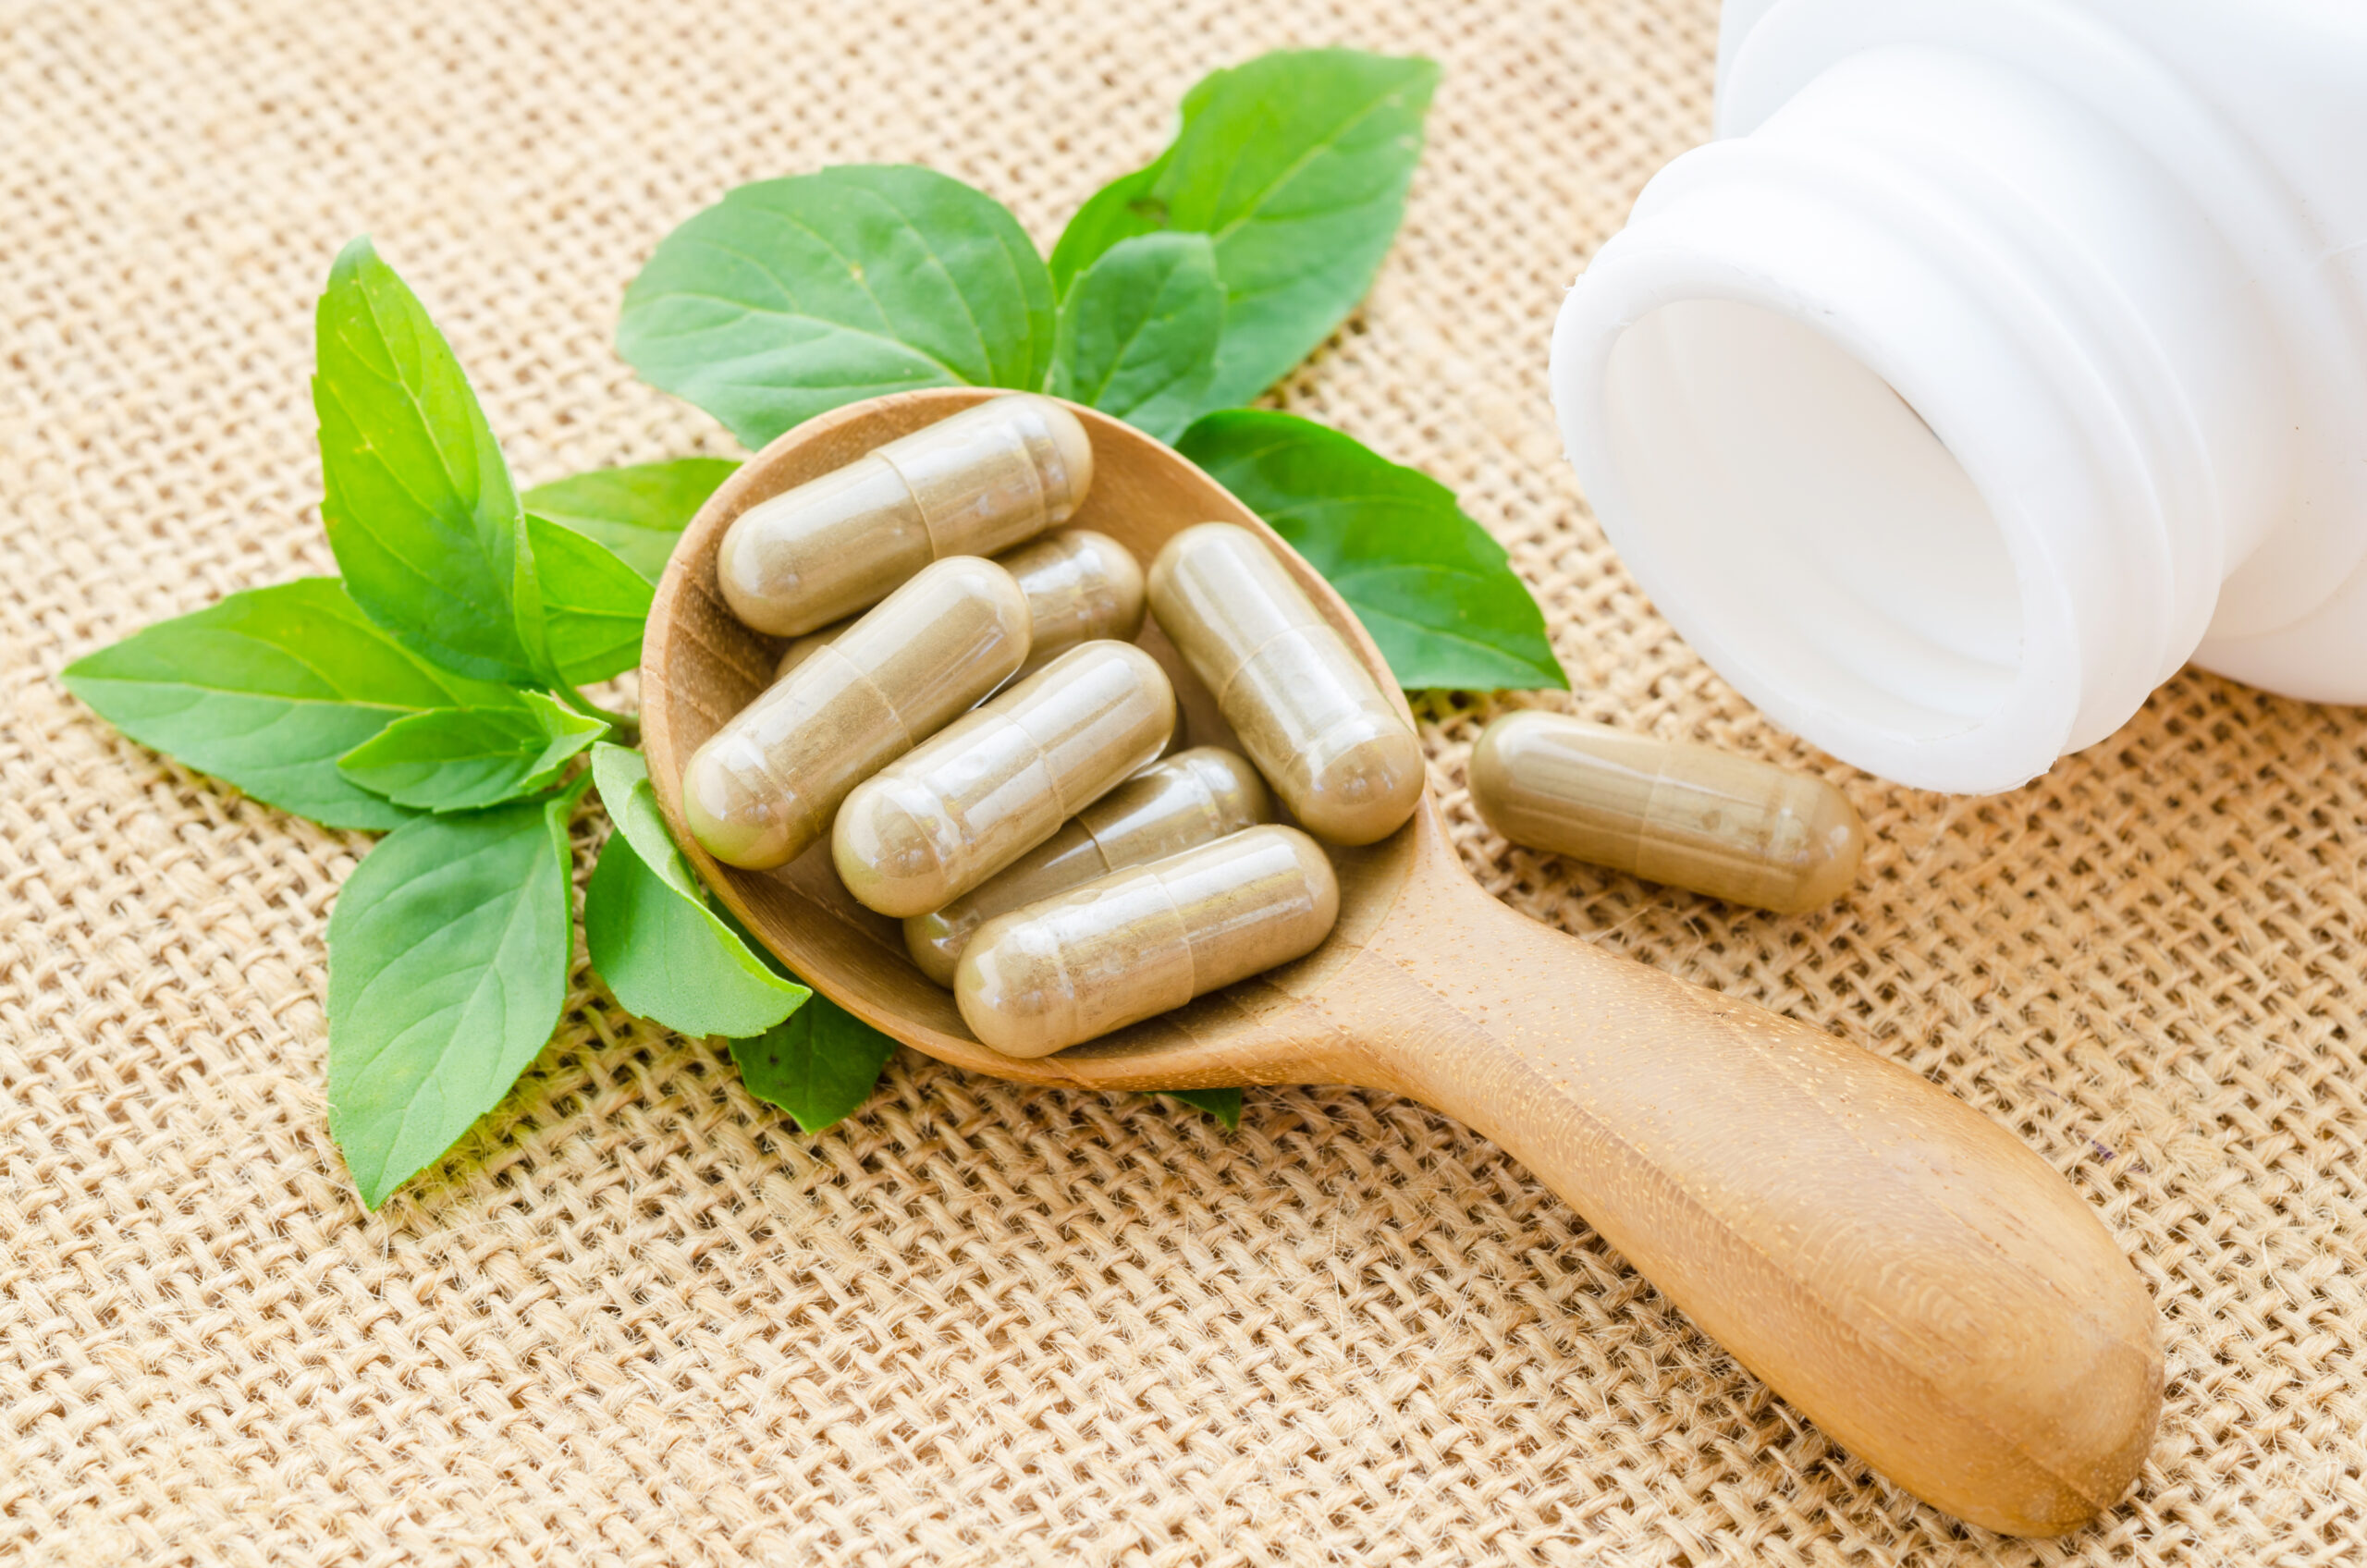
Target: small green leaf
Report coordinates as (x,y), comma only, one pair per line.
(267,688)
(1222,1104)
(1438,595)
(459,759)
(594,605)
(622,778)
(666,958)
(448,969)
(791,297)
(637,511)
(819,1066)
(1138,333)
(1111,216)
(663,951)
(1296,165)
(419,507)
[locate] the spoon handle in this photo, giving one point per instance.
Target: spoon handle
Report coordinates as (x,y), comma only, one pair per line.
(1899,1268)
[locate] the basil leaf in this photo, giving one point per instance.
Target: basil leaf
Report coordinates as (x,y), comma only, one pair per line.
(419,507)
(448,969)
(661,949)
(791,297)
(1138,333)
(459,759)
(1438,595)
(1296,165)
(622,778)
(666,958)
(1222,1104)
(1111,216)
(593,605)
(266,690)
(637,511)
(819,1065)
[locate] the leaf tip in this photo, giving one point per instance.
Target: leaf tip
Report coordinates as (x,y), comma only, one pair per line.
(354,257)
(1222,1104)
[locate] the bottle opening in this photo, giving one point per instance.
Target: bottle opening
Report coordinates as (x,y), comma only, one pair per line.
(1788,501)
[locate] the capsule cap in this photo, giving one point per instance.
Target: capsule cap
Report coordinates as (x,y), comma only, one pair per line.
(1080,585)
(728,809)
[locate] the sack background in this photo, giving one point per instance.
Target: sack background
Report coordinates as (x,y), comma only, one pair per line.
(638,1319)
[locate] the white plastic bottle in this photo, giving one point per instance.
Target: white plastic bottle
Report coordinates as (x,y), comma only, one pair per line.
(1999,357)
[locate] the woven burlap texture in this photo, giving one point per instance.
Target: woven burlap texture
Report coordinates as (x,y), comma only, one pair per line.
(637,1318)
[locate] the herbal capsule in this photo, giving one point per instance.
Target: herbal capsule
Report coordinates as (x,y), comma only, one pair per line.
(1137,942)
(970,486)
(764,787)
(1689,815)
(932,826)
(1191,798)
(1080,585)
(1307,713)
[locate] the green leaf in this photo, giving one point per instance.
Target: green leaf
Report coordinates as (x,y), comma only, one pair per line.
(1438,595)
(266,690)
(594,605)
(419,507)
(791,297)
(459,759)
(819,1066)
(448,969)
(622,778)
(1296,165)
(1138,333)
(1222,1104)
(663,951)
(1111,216)
(666,958)
(637,511)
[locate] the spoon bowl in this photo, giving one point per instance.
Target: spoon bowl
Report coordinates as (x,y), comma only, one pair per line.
(1902,1270)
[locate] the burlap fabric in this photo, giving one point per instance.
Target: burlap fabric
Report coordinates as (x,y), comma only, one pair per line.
(638,1318)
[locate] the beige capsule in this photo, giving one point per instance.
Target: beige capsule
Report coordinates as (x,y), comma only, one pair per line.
(1192,798)
(930,826)
(764,787)
(1308,716)
(972,485)
(1080,585)
(1689,815)
(1139,942)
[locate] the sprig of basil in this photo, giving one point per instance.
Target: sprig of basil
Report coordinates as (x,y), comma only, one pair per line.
(791,297)
(447,968)
(1438,595)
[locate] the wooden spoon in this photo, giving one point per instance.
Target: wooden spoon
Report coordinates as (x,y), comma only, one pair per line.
(1902,1270)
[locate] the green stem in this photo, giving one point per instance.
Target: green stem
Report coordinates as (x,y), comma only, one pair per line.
(627,726)
(575,788)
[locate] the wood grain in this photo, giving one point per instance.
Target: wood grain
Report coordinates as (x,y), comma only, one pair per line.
(1900,1268)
